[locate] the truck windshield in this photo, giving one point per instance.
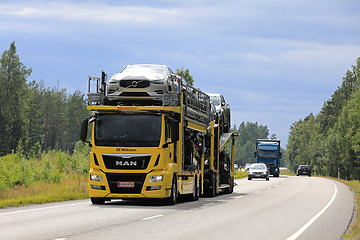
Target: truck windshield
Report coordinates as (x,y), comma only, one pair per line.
(122,130)
(267,154)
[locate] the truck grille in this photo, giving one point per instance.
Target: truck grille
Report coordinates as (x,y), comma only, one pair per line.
(134,83)
(126,161)
(114,178)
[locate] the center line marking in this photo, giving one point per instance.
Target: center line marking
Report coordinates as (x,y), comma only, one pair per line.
(149,218)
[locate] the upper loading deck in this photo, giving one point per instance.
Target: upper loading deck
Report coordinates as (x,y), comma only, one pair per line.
(195,103)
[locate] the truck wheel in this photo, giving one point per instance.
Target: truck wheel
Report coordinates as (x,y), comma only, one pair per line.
(172,199)
(97,200)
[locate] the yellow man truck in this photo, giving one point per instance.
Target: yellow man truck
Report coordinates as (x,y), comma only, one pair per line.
(154,151)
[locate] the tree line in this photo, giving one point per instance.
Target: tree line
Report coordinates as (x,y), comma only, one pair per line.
(34,118)
(330,141)
(245,142)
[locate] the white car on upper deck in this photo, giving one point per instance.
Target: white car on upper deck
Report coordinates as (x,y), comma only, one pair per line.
(142,82)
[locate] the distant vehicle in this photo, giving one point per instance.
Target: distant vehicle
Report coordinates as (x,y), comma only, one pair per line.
(236,167)
(223,110)
(247,166)
(258,170)
(268,152)
(303,170)
(142,82)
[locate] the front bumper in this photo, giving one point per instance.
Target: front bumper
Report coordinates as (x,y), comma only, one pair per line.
(130,185)
(258,175)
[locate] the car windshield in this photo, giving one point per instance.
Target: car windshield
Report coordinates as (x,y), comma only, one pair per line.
(215,100)
(258,166)
(145,70)
(123,130)
(266,154)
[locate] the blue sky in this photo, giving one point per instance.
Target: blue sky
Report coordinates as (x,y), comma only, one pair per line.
(275,61)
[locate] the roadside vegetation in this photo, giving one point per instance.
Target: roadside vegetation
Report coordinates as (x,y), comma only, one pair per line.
(329,142)
(54,176)
(240,174)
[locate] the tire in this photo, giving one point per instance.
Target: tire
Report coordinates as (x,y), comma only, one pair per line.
(97,200)
(173,195)
(230,189)
(213,189)
(267,178)
(196,192)
(249,178)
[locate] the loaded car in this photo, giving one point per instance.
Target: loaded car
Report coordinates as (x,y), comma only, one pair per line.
(139,82)
(258,170)
(303,170)
(223,109)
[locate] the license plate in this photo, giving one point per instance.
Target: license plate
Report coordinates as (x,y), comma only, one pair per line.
(126,184)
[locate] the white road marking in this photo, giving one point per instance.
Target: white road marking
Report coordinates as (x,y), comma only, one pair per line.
(44,208)
(257,191)
(239,197)
(311,221)
(269,188)
(149,218)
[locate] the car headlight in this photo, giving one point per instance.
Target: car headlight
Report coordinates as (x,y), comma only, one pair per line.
(96,178)
(156,178)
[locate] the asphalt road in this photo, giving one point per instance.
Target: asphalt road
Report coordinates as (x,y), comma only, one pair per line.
(285,208)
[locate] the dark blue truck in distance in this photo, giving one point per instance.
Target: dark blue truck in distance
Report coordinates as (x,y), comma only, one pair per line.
(268,152)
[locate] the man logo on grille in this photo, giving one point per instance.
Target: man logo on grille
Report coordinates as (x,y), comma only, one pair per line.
(126,163)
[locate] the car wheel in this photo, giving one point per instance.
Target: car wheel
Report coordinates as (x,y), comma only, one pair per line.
(267,178)
(249,178)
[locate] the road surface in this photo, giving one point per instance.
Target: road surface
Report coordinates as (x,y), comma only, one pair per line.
(285,208)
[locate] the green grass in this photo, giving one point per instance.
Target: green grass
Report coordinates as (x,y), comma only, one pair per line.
(68,188)
(240,174)
(287,172)
(354,229)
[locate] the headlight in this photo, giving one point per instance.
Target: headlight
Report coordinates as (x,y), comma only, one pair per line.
(157,178)
(96,178)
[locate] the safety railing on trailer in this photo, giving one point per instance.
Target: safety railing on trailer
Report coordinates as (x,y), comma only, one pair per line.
(196,105)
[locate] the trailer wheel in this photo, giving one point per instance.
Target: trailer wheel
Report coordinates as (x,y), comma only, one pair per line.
(213,190)
(97,200)
(230,189)
(172,199)
(196,192)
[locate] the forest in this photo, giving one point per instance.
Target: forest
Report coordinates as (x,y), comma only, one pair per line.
(330,141)
(35,118)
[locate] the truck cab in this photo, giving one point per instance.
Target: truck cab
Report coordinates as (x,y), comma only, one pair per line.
(268,152)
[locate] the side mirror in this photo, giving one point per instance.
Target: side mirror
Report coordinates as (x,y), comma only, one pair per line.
(84,129)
